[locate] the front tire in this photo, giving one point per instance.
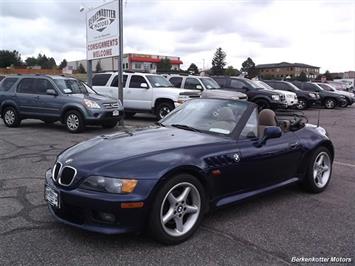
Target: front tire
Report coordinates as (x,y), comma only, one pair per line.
(163,109)
(319,171)
(178,209)
(74,121)
(302,104)
(11,117)
(329,103)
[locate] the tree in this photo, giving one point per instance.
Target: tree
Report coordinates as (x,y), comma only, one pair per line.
(10,58)
(98,67)
(164,65)
(302,77)
(31,61)
(63,64)
(42,60)
(193,69)
(218,62)
(248,66)
(81,68)
(231,71)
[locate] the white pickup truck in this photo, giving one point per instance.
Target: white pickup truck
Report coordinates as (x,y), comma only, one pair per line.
(142,92)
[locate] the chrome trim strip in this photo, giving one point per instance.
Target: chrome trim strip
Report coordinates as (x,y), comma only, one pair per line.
(53,170)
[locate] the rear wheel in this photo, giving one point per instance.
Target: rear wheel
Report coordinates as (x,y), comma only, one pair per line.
(329,103)
(11,117)
(262,104)
(74,121)
(319,171)
(163,109)
(178,209)
(344,104)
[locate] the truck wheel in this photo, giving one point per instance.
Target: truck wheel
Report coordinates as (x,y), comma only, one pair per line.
(74,121)
(329,103)
(11,117)
(302,104)
(163,109)
(262,104)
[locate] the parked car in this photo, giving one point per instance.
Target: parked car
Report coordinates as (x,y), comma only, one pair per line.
(350,97)
(206,86)
(55,98)
(305,99)
(206,154)
(328,99)
(262,97)
(290,97)
(142,93)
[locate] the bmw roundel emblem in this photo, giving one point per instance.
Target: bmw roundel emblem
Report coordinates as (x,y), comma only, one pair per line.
(236,157)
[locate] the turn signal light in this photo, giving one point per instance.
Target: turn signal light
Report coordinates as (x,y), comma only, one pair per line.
(132,205)
(129,185)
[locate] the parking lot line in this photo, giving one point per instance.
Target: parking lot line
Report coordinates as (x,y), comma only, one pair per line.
(345,164)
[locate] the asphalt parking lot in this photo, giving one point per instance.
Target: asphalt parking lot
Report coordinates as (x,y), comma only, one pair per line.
(269,230)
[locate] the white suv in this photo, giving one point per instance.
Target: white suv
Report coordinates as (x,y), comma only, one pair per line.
(142,92)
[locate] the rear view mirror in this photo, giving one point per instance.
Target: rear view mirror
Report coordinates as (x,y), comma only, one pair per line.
(144,85)
(51,92)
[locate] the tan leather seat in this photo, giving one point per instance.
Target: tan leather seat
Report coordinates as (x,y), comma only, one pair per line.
(267,118)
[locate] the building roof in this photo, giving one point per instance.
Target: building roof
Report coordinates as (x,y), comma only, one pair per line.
(284,64)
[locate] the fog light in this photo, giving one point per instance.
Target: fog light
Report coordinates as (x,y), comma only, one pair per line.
(107,217)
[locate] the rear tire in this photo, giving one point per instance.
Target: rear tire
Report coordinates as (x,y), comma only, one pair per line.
(74,121)
(178,209)
(163,109)
(319,171)
(11,117)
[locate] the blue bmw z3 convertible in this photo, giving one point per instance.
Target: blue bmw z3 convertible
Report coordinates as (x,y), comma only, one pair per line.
(206,154)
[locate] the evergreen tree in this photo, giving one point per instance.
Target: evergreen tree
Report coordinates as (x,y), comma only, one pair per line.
(10,58)
(218,62)
(193,69)
(164,65)
(81,68)
(63,64)
(248,66)
(98,67)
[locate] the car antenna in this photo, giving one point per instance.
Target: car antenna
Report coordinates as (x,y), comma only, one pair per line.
(318,117)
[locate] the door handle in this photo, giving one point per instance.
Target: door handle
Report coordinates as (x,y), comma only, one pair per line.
(294,146)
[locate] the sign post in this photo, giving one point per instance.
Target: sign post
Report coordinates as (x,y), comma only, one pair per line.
(104,29)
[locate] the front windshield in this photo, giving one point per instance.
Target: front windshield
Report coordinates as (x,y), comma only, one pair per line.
(159,81)
(252,83)
(293,86)
(71,86)
(210,83)
(215,116)
(327,87)
(264,85)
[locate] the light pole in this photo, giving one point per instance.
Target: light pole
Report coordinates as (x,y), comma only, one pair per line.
(120,61)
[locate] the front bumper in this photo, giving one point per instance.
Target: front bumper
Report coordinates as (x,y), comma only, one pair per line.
(279,105)
(84,209)
(100,116)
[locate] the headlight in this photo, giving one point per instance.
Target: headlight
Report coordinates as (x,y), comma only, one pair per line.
(108,184)
(91,104)
(312,95)
(275,97)
(183,98)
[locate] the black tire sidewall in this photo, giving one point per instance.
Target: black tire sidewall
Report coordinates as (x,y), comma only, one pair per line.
(161,105)
(155,226)
(328,100)
(308,181)
(81,126)
(304,106)
(17,118)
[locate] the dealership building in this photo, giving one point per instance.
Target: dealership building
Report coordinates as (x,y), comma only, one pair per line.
(284,69)
(131,62)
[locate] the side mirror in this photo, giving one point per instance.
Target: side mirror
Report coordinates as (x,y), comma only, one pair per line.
(144,85)
(51,92)
(270,133)
(199,87)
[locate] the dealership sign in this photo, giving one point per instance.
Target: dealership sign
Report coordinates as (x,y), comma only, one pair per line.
(102,31)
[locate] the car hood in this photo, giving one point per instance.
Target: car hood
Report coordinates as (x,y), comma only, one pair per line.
(286,93)
(128,145)
(95,97)
(224,94)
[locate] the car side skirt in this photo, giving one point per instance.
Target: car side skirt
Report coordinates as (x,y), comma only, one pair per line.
(239,197)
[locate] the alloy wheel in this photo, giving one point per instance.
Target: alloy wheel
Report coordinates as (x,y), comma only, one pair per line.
(321,169)
(73,122)
(164,111)
(301,105)
(329,104)
(10,117)
(180,209)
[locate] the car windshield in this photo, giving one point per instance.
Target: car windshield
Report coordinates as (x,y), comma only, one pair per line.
(264,85)
(252,83)
(71,86)
(210,83)
(159,81)
(326,87)
(293,86)
(213,116)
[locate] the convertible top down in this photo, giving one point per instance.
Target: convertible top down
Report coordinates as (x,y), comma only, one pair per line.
(205,154)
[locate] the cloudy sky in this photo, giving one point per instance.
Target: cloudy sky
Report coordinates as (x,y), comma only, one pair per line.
(316,32)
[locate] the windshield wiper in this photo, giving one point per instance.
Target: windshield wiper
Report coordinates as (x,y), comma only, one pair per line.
(185,127)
